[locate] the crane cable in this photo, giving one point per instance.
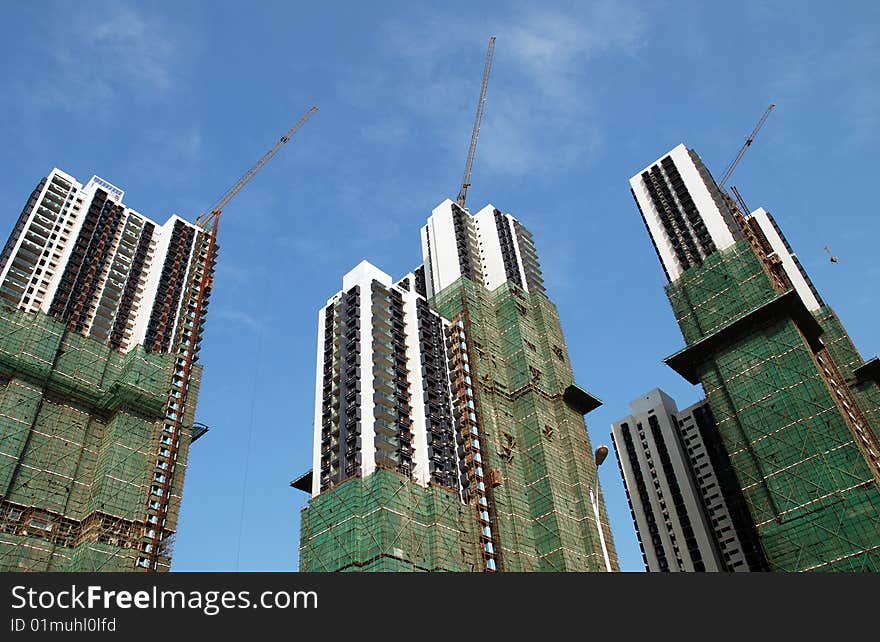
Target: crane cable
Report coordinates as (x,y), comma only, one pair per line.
(258,360)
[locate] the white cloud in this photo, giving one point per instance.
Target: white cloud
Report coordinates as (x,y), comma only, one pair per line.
(553,118)
(137,44)
(551,46)
(176,147)
(540,104)
(238,274)
(837,77)
(100,55)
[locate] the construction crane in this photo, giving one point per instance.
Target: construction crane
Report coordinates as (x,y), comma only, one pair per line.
(204,221)
(740,200)
(466,181)
(156,537)
(745,146)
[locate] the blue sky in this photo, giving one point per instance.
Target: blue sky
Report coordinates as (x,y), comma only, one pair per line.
(174,101)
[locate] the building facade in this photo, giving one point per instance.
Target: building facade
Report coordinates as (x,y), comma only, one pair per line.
(795,404)
(543,502)
(80,255)
(384,484)
(488,248)
(520,466)
(384,387)
(687,513)
(103,311)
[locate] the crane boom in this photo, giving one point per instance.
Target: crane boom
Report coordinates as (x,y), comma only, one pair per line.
(205,219)
(200,283)
(465,183)
(745,146)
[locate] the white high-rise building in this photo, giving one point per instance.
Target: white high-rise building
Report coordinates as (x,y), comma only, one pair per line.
(686,214)
(489,247)
(79,254)
(688,218)
(382,396)
(688,514)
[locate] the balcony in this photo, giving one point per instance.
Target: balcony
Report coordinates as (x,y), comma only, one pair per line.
(384,386)
(385,428)
(384,399)
(384,413)
(382,347)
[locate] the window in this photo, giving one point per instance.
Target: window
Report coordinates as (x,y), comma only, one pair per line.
(40,524)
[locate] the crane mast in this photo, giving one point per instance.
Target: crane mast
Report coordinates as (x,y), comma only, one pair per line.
(465,183)
(156,537)
(746,145)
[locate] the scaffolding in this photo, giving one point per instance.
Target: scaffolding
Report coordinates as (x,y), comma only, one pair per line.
(530,487)
(801,439)
(727,285)
(535,450)
(387,522)
(478,483)
(171,453)
(866,392)
(79,426)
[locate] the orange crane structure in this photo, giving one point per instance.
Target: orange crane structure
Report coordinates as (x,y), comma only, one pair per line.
(156,537)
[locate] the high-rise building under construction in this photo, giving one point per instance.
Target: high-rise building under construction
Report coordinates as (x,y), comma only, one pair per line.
(101,311)
(797,408)
(449,432)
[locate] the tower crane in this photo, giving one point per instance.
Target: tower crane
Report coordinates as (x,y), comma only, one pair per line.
(465,183)
(156,537)
(206,219)
(740,200)
(746,145)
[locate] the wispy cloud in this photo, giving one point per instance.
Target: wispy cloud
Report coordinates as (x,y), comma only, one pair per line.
(173,147)
(840,76)
(99,58)
(551,46)
(539,113)
(387,132)
(554,117)
(138,43)
(187,144)
(239,317)
(238,274)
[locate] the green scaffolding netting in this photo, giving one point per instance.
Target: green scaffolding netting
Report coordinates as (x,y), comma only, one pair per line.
(810,488)
(80,426)
(387,522)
